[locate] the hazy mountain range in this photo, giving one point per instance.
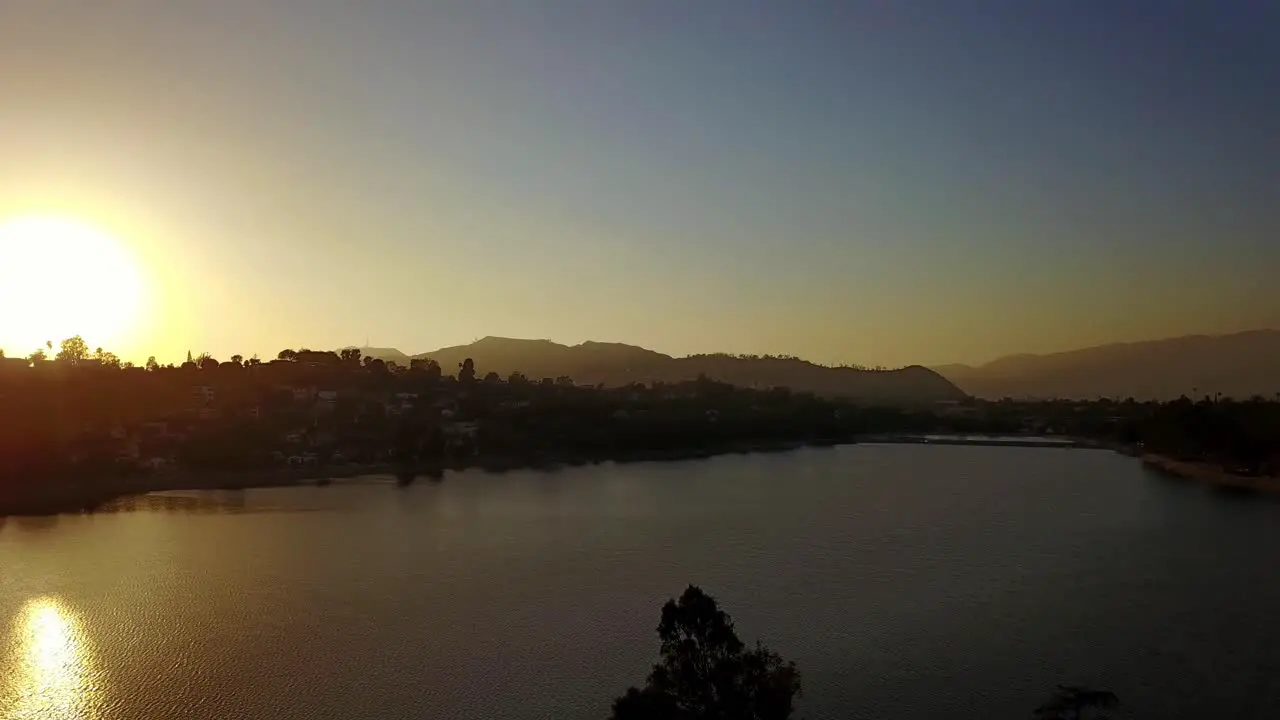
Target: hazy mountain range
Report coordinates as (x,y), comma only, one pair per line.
(1239,365)
(614,364)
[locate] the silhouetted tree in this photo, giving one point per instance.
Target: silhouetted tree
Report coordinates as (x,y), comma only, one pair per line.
(706,673)
(517,379)
(237,360)
(106,359)
(467,371)
(426,366)
(492,378)
(350,356)
(206,362)
(38,356)
(1076,703)
(152,365)
(434,371)
(254,361)
(287,354)
(73,350)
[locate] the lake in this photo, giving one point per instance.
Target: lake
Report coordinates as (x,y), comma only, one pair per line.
(906,581)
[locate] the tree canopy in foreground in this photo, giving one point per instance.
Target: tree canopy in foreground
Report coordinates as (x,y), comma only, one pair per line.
(706,672)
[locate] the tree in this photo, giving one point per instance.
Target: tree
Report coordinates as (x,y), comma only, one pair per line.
(74,349)
(492,378)
(705,672)
(1,352)
(205,361)
(287,354)
(152,365)
(1075,703)
(38,356)
(467,371)
(428,366)
(237,359)
(254,361)
(350,356)
(106,359)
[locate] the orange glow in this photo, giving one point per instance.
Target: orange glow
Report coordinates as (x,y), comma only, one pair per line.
(51,676)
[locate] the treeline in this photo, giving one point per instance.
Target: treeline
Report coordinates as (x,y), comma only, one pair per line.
(1242,436)
(49,400)
(792,358)
(76,411)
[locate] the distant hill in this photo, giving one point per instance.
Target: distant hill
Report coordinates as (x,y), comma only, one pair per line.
(387,354)
(1239,365)
(614,364)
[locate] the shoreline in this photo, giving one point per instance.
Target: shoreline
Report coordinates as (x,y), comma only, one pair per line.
(1211,475)
(86,497)
(80,497)
(977,440)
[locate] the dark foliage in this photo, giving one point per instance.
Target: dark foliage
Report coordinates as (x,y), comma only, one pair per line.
(1076,703)
(705,672)
(91,417)
(1242,436)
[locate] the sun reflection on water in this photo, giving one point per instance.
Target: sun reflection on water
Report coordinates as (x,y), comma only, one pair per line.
(49,678)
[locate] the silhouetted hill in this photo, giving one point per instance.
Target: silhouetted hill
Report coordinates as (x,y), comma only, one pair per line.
(387,354)
(586,363)
(1239,365)
(613,364)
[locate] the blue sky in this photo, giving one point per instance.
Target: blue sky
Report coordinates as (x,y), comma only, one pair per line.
(874,182)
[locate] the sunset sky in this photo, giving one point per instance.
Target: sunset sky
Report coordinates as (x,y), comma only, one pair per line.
(875,182)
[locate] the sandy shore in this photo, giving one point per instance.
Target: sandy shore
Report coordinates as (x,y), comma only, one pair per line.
(1212,475)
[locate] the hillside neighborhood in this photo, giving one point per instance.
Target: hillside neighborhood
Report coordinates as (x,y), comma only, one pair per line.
(85,411)
(84,422)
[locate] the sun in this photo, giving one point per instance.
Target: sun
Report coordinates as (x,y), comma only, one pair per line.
(60,278)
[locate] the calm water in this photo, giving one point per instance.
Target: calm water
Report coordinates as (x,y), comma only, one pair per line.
(906,581)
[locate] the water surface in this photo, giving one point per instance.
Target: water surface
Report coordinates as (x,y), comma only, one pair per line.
(907,581)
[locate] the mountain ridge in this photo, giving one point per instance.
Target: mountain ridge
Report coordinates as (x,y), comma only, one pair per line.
(614,364)
(1241,364)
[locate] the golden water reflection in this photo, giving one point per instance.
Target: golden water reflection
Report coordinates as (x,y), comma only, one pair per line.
(50,675)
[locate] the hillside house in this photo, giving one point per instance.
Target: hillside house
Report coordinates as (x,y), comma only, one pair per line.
(202,396)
